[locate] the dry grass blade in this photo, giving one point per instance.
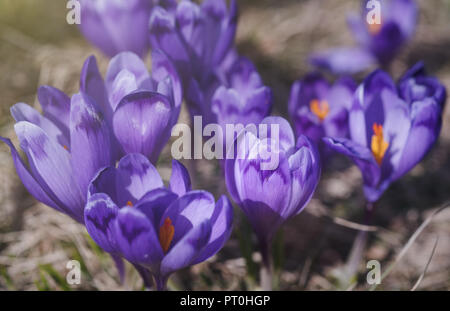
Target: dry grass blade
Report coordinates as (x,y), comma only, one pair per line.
(411,240)
(419,280)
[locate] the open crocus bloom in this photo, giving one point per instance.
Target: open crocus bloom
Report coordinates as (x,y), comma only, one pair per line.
(319,109)
(197,38)
(391,129)
(269,195)
(74,138)
(243,99)
(377,42)
(159,230)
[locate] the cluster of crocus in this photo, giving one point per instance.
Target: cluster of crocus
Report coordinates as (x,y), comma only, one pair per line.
(391,127)
(378,41)
(159,230)
(319,109)
(75,137)
(198,39)
(92,156)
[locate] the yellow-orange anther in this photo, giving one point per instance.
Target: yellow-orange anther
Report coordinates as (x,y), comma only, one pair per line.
(378,145)
(65,147)
(320,109)
(130,204)
(374,28)
(166,233)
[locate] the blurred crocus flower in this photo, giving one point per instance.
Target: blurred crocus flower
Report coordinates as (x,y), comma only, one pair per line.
(74,138)
(378,41)
(320,109)
(269,197)
(391,128)
(159,230)
(197,38)
(243,98)
(116,26)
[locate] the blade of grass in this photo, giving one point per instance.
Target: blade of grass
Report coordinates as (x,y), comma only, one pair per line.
(411,240)
(426,267)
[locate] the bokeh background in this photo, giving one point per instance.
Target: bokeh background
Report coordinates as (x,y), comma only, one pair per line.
(38,47)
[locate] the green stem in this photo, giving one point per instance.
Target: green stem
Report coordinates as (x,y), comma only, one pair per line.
(358,248)
(266,272)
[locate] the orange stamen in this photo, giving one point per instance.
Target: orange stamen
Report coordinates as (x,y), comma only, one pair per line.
(378,144)
(374,28)
(166,233)
(130,204)
(65,147)
(320,109)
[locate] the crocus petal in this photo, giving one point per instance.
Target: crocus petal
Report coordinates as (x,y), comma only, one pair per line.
(99,216)
(162,68)
(222,225)
(130,181)
(56,107)
(50,164)
(183,253)
(30,183)
(124,84)
(188,212)
(358,27)
(228,33)
(116,26)
(305,173)
(24,112)
(138,175)
(136,238)
(164,36)
(343,60)
(286,135)
(154,204)
(126,61)
(142,123)
(180,182)
(425,128)
(90,137)
(404,13)
(91,83)
(361,155)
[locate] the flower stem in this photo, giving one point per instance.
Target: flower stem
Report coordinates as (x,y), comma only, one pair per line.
(266,272)
(161,283)
(358,248)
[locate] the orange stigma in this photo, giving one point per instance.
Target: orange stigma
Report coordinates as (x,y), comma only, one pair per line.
(378,144)
(374,28)
(130,204)
(65,147)
(320,109)
(166,233)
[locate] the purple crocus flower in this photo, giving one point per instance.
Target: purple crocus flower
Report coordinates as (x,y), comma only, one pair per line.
(377,42)
(76,137)
(197,38)
(159,230)
(116,26)
(319,109)
(391,128)
(243,99)
(269,197)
